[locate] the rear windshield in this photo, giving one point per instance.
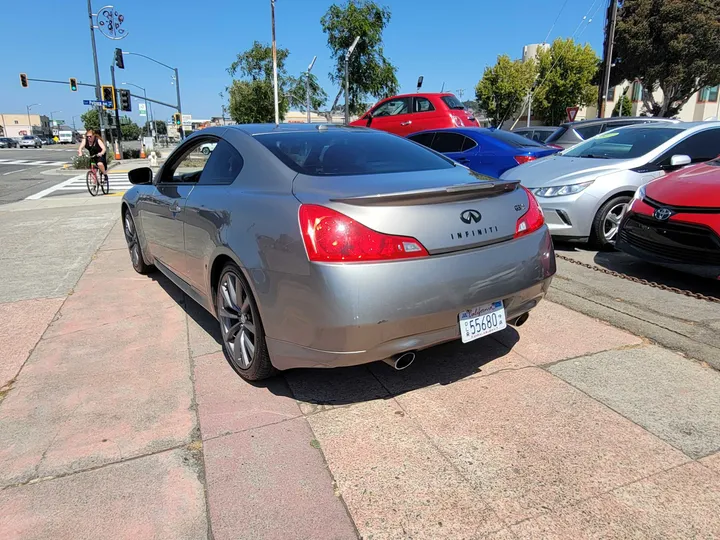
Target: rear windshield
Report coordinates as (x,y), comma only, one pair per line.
(28,138)
(452,102)
(513,139)
(559,132)
(348,152)
(623,143)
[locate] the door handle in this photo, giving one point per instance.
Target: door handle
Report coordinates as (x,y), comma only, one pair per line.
(406,123)
(175,208)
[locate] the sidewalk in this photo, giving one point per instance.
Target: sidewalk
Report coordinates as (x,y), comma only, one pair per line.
(120,418)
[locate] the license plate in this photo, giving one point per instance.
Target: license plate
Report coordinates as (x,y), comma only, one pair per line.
(481,321)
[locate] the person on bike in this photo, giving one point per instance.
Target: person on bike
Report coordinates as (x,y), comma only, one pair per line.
(95,145)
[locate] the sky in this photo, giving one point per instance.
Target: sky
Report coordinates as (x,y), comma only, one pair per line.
(448,43)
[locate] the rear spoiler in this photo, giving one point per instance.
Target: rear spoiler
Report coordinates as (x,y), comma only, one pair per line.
(460,192)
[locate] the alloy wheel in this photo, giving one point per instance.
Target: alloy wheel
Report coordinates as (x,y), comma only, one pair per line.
(237,321)
(132,239)
(611,223)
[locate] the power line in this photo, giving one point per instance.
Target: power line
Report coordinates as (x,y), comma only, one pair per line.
(556,20)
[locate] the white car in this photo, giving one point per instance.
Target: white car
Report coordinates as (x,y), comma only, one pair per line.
(207,148)
(30,141)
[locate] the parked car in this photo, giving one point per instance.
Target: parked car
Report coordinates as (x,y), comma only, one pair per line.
(536,133)
(30,141)
(410,113)
(675,221)
(584,190)
(571,133)
(487,151)
(7,142)
(324,246)
(207,148)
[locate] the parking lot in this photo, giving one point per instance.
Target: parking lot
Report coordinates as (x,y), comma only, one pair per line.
(120,417)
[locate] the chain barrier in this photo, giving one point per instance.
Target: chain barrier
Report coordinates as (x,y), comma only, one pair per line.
(660,286)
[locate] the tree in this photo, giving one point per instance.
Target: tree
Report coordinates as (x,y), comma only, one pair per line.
(91,119)
(504,87)
(297,93)
(626,106)
(129,129)
(670,45)
(160,128)
(566,71)
(371,74)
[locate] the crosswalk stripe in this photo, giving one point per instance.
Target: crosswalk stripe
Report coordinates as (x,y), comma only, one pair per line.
(118,182)
(29,162)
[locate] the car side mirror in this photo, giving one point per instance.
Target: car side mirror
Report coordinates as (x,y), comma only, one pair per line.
(678,160)
(369,118)
(141,176)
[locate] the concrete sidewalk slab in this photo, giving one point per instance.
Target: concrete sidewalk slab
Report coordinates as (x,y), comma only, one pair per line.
(554,332)
(228,404)
(712,462)
(116,238)
(395,483)
(680,503)
(676,399)
(203,330)
(154,497)
(529,443)
(271,483)
(21,325)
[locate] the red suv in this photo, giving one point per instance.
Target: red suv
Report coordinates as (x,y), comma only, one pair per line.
(411,113)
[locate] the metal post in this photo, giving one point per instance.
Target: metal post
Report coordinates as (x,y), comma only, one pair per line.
(608,57)
(29,124)
(179,107)
(98,94)
(307,88)
(347,89)
(527,124)
(274,57)
(118,131)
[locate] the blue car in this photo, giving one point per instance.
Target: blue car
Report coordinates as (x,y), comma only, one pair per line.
(488,151)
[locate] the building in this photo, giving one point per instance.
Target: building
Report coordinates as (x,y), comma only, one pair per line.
(18,125)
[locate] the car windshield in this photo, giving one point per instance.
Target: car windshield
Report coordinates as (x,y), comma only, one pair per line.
(28,138)
(623,143)
(453,103)
(348,152)
(513,139)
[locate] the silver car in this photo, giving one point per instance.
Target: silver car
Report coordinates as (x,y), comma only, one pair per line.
(30,141)
(321,246)
(584,190)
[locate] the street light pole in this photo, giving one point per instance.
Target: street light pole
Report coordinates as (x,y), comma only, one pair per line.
(98,95)
(347,79)
(28,115)
(307,88)
(274,58)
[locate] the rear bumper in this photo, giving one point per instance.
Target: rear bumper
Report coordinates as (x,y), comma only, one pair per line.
(344,315)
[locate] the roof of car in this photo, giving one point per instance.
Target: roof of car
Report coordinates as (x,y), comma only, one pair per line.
(617,119)
(677,125)
(255,129)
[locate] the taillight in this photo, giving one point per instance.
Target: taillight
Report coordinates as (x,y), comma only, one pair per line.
(524,159)
(330,236)
(555,146)
(531,220)
(457,120)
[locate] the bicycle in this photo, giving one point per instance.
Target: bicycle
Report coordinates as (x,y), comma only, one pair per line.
(91,179)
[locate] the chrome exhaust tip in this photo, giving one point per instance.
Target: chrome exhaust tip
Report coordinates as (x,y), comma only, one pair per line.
(520,320)
(401,361)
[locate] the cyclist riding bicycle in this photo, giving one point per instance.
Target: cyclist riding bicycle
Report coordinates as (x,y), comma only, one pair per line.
(95,145)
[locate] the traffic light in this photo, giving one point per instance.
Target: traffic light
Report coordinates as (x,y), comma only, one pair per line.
(73,84)
(108,96)
(125,104)
(119,61)
(23,80)
(177,118)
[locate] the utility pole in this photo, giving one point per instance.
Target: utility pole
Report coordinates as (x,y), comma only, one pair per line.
(307,88)
(179,107)
(608,51)
(274,57)
(347,79)
(529,98)
(98,95)
(118,131)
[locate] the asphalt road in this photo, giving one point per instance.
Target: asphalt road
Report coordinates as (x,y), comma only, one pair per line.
(21,170)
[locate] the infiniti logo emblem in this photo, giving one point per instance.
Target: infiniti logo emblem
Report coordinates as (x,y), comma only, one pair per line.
(470,216)
(663,214)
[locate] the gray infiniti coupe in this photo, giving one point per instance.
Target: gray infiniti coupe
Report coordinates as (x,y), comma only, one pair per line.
(325,246)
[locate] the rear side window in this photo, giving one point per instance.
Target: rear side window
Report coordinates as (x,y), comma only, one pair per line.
(701,146)
(588,131)
(468,144)
(392,107)
(223,166)
(345,152)
(559,132)
(448,142)
(423,138)
(422,104)
(512,139)
(453,103)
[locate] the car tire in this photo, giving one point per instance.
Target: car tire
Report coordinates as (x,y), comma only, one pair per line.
(133,242)
(606,224)
(205,151)
(239,319)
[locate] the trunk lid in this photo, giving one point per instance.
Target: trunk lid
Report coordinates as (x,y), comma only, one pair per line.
(445,210)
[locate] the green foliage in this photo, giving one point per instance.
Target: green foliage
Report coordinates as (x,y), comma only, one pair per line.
(672,45)
(84,161)
(91,120)
(160,127)
(130,130)
(370,73)
(566,71)
(297,95)
(504,87)
(626,107)
(256,63)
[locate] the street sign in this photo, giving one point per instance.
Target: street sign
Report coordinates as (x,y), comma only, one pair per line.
(97,102)
(86,102)
(571,113)
(141,109)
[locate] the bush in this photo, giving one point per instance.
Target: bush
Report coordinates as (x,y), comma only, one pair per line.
(83,162)
(129,153)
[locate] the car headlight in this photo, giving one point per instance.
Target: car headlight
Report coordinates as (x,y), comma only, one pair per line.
(558,191)
(639,194)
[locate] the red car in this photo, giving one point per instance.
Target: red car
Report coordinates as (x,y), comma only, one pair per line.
(675,221)
(410,113)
